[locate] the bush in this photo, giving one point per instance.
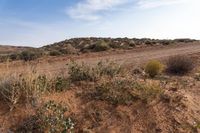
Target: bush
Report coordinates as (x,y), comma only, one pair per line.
(101,46)
(19,89)
(153,68)
(60,84)
(53,119)
(179,65)
(13,56)
(124,91)
(110,68)
(54,53)
(80,72)
(49,118)
(29,55)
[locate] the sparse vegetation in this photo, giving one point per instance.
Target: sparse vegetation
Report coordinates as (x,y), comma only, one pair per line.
(124,91)
(179,65)
(88,97)
(80,72)
(153,68)
(109,68)
(18,89)
(85,73)
(49,118)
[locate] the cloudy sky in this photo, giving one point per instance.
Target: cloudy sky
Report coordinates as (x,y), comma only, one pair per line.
(40,22)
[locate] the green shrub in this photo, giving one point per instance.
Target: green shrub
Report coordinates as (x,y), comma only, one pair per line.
(179,65)
(146,92)
(80,72)
(29,55)
(101,46)
(61,84)
(68,49)
(50,118)
(13,56)
(114,92)
(108,68)
(123,91)
(153,68)
(55,53)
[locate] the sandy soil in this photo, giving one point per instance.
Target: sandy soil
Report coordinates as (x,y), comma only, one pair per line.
(178,115)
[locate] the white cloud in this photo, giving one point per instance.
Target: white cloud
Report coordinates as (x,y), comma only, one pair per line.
(144,4)
(90,9)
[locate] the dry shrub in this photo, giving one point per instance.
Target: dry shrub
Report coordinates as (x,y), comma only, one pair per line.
(84,72)
(80,72)
(179,65)
(153,68)
(19,89)
(124,91)
(108,68)
(27,88)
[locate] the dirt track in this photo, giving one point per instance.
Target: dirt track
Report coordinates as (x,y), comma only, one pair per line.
(142,55)
(128,57)
(131,57)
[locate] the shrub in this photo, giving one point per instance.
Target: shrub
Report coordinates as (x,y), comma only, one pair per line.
(68,49)
(101,46)
(53,119)
(54,53)
(124,91)
(109,68)
(80,72)
(153,68)
(114,92)
(18,89)
(49,118)
(179,65)
(13,56)
(29,55)
(61,84)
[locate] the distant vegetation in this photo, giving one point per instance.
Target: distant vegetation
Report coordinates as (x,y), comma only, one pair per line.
(81,45)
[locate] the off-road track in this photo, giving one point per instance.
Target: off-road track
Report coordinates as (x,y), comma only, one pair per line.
(135,57)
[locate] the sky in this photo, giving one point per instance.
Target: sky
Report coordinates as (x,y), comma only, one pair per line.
(40,22)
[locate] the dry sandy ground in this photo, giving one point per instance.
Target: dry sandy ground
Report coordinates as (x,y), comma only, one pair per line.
(184,106)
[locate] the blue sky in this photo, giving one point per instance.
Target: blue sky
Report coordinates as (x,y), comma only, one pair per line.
(40,22)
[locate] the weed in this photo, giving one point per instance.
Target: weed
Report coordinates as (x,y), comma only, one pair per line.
(52,118)
(49,118)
